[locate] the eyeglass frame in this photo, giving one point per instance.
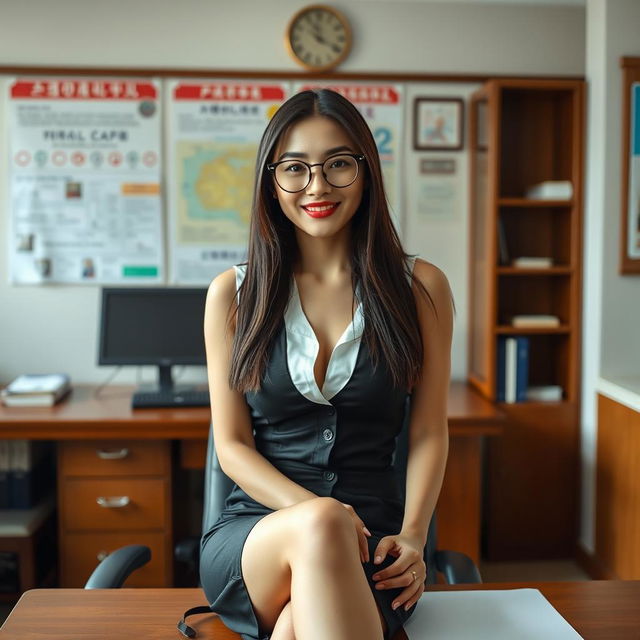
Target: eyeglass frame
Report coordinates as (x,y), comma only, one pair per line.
(356,156)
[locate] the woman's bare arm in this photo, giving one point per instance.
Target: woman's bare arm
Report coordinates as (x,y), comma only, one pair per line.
(233,432)
(428,430)
(428,442)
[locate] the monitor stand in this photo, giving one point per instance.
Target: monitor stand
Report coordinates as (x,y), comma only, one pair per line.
(165,378)
(167,394)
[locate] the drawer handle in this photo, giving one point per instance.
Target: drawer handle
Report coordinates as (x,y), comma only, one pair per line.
(112,455)
(115,502)
(102,555)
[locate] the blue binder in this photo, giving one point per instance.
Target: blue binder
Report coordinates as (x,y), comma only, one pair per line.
(522,368)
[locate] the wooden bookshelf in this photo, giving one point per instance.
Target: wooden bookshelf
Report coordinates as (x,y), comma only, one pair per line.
(524,132)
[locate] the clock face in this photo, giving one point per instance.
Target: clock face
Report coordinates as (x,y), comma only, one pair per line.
(319,37)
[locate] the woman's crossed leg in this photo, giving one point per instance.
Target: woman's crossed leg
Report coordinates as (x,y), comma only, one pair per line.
(302,570)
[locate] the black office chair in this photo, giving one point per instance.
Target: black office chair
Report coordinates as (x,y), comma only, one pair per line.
(456,567)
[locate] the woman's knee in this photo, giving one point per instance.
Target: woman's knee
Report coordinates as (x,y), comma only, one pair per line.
(325,522)
(322,514)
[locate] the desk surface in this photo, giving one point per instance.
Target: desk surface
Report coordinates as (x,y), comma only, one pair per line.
(85,415)
(598,610)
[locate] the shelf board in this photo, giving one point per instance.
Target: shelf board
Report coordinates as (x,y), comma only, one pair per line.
(534,403)
(529,203)
(509,330)
(530,271)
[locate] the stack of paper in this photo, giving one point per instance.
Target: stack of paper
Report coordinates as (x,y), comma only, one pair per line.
(532,262)
(551,190)
(512,614)
(36,390)
(535,320)
(546,393)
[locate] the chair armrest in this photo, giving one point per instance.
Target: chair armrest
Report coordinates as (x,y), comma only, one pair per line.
(457,568)
(117,566)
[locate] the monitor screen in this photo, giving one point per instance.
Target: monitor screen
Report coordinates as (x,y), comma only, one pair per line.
(159,325)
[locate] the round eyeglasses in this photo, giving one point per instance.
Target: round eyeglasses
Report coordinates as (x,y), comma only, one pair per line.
(295,175)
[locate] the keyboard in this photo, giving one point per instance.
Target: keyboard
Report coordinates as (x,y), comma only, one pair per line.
(173,398)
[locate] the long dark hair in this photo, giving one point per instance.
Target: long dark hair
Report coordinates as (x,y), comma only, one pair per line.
(378,261)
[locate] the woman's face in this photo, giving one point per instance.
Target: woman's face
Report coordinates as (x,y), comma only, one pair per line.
(319,210)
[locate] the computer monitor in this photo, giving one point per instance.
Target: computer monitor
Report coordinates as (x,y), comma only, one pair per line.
(160,326)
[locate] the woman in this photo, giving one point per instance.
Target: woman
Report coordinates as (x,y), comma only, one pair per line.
(312,348)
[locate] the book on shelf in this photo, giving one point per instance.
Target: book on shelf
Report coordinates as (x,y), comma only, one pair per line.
(551,190)
(510,355)
(531,262)
(36,390)
(545,393)
(535,320)
(512,369)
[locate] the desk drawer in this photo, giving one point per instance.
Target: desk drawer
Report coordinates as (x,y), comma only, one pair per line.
(138,503)
(114,458)
(80,554)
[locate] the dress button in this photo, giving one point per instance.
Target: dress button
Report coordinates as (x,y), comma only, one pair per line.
(328,435)
(331,411)
(329,475)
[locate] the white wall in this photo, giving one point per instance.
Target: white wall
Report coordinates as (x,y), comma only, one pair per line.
(389,35)
(54,328)
(611,305)
(620,294)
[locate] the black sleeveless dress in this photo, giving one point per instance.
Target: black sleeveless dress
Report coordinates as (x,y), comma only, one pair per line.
(338,441)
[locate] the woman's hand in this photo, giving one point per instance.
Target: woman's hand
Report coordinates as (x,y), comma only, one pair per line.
(362,532)
(409,570)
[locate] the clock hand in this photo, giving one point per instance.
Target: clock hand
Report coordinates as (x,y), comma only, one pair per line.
(318,37)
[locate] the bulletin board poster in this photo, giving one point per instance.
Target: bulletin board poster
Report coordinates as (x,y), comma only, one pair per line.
(214,128)
(633,212)
(382,108)
(84,181)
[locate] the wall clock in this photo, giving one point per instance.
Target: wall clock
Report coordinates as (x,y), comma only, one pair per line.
(318,37)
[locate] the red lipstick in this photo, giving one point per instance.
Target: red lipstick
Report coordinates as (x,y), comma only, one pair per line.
(320,209)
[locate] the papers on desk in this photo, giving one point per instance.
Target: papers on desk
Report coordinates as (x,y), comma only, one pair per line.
(524,614)
(36,390)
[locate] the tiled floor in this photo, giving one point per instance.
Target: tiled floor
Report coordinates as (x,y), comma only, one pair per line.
(496,572)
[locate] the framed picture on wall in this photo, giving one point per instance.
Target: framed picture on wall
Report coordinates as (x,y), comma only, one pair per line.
(630,220)
(438,124)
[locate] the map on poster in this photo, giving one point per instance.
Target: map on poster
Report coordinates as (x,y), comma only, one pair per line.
(213,131)
(214,179)
(84,181)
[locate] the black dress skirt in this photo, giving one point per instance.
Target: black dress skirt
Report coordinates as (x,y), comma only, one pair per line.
(338,442)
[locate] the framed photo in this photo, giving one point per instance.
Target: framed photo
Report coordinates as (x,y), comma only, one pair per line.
(438,124)
(630,216)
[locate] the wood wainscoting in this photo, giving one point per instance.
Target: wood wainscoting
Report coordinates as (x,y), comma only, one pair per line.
(618,489)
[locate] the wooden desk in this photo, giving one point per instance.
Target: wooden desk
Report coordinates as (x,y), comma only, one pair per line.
(598,610)
(86,421)
(85,416)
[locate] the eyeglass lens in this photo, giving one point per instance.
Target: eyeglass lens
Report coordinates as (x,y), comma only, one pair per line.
(339,171)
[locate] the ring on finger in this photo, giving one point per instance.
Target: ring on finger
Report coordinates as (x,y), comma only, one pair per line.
(415,575)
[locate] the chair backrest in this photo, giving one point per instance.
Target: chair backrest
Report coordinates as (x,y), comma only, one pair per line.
(217,486)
